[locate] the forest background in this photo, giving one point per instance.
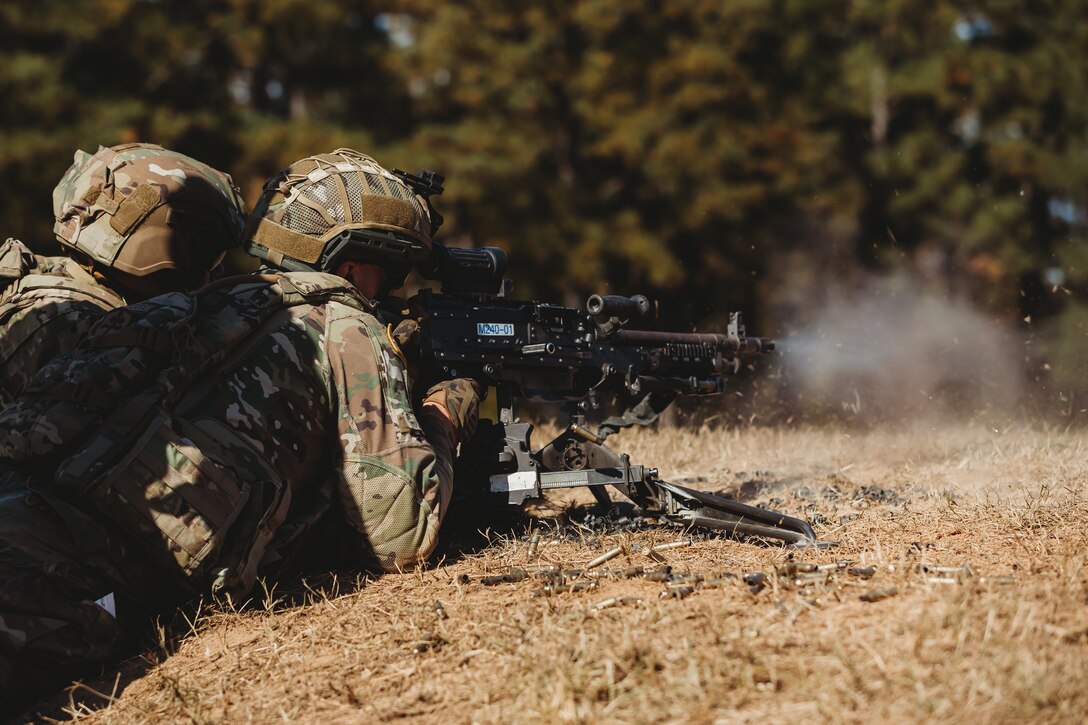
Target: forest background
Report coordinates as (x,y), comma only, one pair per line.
(897,190)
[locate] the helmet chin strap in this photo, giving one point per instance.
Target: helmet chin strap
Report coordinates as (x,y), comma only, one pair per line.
(387,289)
(394,280)
(363,275)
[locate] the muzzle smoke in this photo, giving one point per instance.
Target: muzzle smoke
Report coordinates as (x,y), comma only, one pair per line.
(891,350)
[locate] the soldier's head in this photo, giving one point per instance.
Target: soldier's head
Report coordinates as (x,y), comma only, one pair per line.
(147,219)
(341,213)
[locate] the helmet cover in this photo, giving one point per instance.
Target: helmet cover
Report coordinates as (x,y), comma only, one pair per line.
(140,208)
(323,208)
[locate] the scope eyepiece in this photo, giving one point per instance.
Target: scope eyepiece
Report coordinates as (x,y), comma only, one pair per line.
(452,264)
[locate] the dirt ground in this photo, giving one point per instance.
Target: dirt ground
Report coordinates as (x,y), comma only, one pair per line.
(975,535)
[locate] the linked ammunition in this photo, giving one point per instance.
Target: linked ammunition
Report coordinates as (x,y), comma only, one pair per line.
(537,570)
(793,568)
(425,643)
(756,581)
(659,575)
(628,573)
(877,594)
(835,566)
(678,592)
(655,556)
(964,570)
(512,576)
(815,577)
(865,572)
(606,556)
(550,589)
(672,545)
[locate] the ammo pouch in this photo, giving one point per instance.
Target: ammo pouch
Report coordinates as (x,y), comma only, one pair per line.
(176,501)
(180,505)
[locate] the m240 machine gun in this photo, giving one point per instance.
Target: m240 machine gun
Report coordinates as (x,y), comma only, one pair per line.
(538,351)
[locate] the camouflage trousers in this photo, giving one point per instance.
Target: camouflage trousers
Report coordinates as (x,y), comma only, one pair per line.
(55,562)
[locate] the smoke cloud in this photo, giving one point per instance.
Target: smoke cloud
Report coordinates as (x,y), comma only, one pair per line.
(893,349)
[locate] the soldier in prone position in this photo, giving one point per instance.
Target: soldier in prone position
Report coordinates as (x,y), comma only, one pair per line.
(137,220)
(190,441)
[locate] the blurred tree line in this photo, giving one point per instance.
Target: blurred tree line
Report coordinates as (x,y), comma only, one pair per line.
(750,154)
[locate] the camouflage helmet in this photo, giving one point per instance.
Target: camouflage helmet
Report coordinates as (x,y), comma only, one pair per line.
(140,209)
(323,208)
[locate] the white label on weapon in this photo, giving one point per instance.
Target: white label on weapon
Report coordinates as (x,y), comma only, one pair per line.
(109,604)
(520,481)
(495,329)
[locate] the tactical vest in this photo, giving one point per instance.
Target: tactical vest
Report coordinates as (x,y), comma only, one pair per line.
(111,412)
(69,282)
(23,272)
(42,287)
(16,262)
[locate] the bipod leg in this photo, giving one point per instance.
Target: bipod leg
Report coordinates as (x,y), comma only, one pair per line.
(603,499)
(699,508)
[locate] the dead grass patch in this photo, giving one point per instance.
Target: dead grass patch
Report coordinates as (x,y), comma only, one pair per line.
(1009,642)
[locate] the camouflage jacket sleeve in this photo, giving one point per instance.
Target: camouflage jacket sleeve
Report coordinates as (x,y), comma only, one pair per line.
(395,478)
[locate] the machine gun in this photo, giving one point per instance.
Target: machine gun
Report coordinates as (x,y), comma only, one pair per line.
(538,351)
(545,352)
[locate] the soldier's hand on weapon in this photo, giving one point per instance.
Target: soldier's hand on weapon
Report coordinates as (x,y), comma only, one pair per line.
(458,401)
(404,337)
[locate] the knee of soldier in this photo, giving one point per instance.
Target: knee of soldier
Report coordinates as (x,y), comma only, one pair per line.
(400,526)
(407,546)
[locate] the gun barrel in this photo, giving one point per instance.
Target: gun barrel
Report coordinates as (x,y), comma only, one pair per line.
(646,338)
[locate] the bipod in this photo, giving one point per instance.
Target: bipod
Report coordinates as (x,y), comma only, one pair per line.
(698,508)
(578,458)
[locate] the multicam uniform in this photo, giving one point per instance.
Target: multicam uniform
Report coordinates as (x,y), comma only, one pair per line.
(200,435)
(135,209)
(46,305)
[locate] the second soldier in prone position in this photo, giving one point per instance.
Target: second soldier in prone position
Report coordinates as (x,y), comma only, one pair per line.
(192,440)
(136,220)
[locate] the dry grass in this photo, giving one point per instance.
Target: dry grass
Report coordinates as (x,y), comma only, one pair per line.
(1011,503)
